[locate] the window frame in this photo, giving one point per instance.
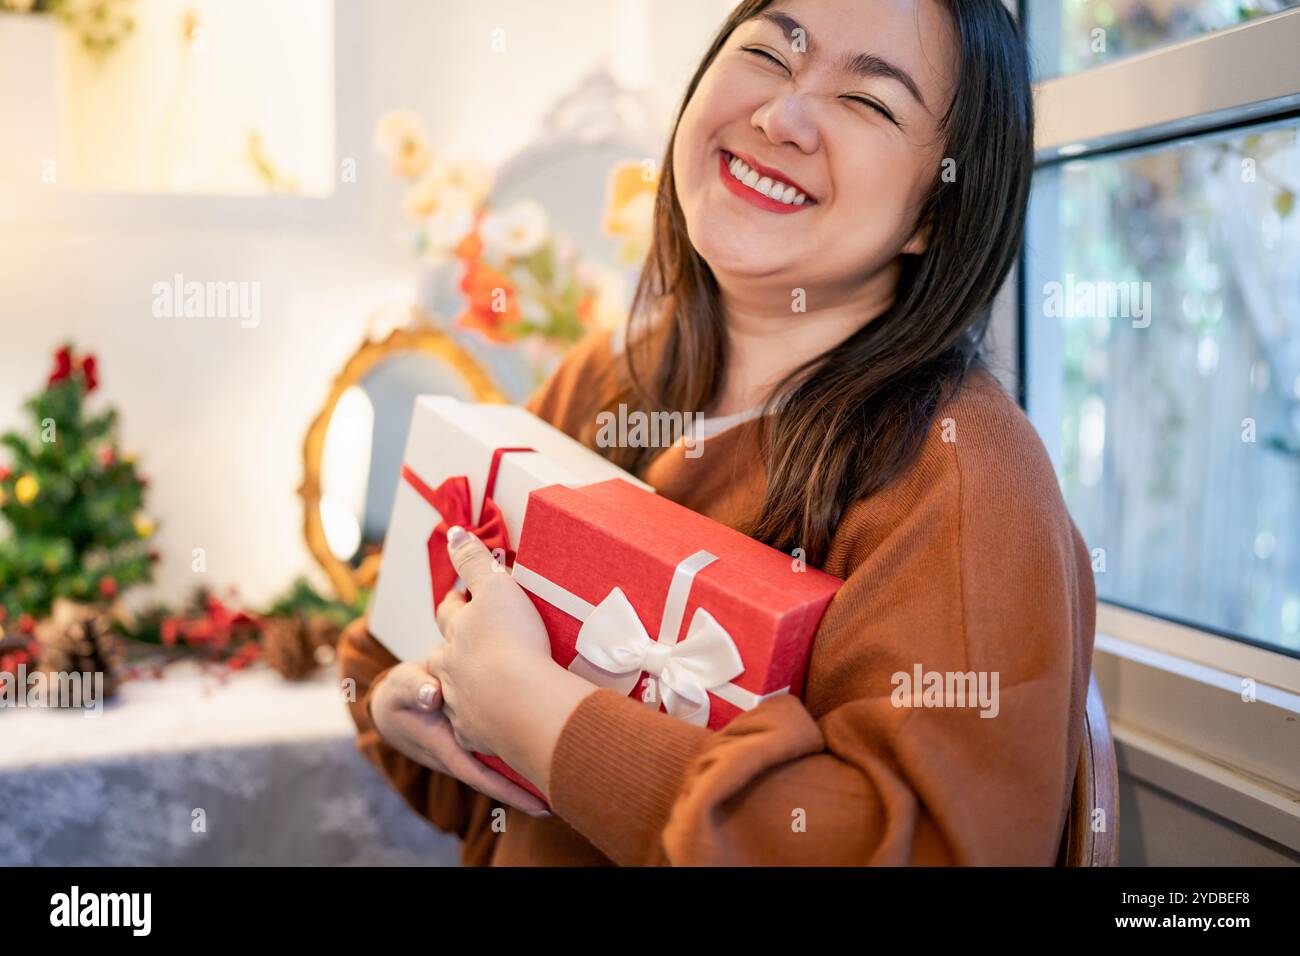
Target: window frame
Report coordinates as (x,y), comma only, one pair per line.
(63,206)
(1173,689)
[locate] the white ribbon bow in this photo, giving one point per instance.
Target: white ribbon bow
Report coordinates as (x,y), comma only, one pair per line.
(614,649)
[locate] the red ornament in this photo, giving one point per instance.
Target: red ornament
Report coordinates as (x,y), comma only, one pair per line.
(169,630)
(107,587)
(65,363)
(62,365)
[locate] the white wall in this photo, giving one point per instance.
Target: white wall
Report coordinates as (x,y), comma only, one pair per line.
(216,412)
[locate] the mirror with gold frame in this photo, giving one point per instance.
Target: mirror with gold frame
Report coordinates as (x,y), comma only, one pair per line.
(353,452)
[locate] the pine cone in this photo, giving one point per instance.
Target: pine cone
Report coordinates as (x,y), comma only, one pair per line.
(323,637)
(286,648)
(77,638)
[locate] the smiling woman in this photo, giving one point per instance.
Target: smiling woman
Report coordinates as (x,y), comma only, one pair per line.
(817,280)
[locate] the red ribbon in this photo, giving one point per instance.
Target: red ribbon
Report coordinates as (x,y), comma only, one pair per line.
(453,502)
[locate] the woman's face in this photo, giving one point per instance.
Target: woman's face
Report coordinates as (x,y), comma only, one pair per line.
(859,139)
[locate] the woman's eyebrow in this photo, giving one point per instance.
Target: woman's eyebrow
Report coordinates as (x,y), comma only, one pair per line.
(862,64)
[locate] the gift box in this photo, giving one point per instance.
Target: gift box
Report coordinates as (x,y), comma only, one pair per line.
(651,599)
(471,465)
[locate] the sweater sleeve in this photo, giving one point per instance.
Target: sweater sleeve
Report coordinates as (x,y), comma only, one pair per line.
(449,804)
(942,575)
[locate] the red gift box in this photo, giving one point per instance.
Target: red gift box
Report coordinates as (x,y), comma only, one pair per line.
(647,597)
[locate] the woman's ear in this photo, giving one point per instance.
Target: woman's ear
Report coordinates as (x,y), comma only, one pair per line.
(919,242)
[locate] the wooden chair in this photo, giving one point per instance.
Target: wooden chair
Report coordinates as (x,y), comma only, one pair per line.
(1096,786)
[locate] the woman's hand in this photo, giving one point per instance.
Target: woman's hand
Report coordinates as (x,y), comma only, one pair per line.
(502,692)
(495,645)
(407,711)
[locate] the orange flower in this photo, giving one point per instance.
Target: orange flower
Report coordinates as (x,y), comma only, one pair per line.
(469,248)
(629,207)
(485,288)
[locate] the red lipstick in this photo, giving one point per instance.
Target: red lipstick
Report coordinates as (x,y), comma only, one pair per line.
(754,197)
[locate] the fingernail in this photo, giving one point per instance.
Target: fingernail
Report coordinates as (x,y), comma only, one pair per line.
(456,536)
(424,696)
(541,814)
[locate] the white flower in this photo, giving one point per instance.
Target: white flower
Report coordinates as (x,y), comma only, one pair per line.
(608,288)
(465,177)
(515,232)
(472,177)
(450,222)
(400,138)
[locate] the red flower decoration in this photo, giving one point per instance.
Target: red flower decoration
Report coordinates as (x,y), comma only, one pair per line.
(170,630)
(484,286)
(65,363)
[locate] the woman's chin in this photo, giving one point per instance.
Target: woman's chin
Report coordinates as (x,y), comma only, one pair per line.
(743,259)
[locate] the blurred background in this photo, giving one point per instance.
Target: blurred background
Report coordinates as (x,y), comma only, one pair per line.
(238,236)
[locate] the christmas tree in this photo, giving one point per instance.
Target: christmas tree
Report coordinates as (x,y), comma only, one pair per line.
(72,502)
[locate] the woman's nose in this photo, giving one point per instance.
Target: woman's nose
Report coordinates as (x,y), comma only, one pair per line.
(787,118)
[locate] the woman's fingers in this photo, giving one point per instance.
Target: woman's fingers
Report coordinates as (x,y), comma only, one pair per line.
(428,696)
(471,558)
(413,688)
(484,779)
(452,602)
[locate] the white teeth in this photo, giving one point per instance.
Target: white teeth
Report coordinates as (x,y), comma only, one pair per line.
(765,185)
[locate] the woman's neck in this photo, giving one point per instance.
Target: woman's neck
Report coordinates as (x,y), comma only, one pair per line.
(768,338)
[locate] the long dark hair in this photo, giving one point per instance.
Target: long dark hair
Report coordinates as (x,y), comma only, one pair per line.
(843,425)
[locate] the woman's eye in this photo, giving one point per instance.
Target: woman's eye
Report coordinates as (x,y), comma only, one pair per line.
(875,106)
(764,55)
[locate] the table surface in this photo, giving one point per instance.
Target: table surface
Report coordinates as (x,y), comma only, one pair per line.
(187,709)
(192,770)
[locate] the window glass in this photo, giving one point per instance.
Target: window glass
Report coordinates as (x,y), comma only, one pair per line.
(1162,323)
(1073,35)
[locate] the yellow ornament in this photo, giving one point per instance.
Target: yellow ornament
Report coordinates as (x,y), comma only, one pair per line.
(143,526)
(26,489)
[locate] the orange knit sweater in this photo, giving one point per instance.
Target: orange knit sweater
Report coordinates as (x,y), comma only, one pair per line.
(969,562)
